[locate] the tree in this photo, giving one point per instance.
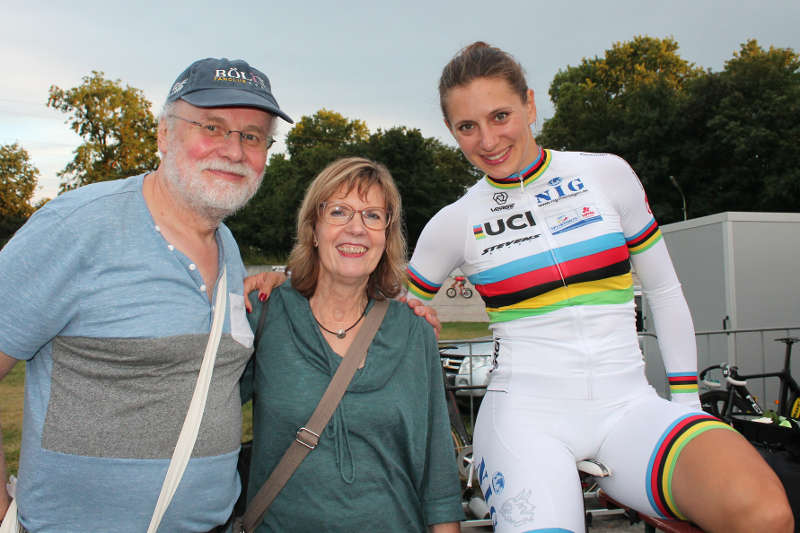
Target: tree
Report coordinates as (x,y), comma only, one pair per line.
(751,117)
(727,138)
(593,100)
(626,103)
(18,179)
(117,126)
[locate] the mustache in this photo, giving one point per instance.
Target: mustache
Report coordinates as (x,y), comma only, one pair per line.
(227,166)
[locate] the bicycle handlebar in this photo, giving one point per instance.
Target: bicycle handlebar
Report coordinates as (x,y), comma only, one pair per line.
(736,381)
(727,370)
(705,371)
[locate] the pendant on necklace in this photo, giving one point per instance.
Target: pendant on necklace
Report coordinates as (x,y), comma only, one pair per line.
(341,333)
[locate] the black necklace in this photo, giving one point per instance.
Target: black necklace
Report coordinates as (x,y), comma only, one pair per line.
(342,332)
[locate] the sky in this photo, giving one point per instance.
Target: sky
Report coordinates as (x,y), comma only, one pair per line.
(369,60)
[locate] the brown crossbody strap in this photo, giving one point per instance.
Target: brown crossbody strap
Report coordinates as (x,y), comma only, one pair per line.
(308,435)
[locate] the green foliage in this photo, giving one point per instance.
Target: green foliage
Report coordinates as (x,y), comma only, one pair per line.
(18,180)
(751,114)
(728,138)
(429,175)
(12,391)
(117,126)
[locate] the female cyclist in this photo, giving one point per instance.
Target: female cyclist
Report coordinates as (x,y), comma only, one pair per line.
(548,238)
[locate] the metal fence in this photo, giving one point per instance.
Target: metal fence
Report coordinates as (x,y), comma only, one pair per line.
(753,350)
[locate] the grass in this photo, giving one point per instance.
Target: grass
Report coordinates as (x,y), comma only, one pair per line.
(464,330)
(12,389)
(13,385)
(254,256)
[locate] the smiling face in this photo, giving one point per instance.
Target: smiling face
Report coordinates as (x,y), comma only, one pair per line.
(213,175)
(491,124)
(348,254)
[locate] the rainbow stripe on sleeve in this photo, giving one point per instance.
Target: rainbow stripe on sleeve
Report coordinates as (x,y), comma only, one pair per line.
(644,239)
(421,287)
(682,382)
(665,456)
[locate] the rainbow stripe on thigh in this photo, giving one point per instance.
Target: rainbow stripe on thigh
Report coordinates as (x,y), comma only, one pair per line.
(665,457)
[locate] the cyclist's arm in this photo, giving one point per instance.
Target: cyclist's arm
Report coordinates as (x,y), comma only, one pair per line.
(660,285)
(439,250)
(673,321)
(6,363)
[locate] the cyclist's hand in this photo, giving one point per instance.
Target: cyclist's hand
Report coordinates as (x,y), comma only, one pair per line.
(264,282)
(427,312)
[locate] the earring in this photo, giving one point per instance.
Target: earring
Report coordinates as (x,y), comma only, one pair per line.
(316,242)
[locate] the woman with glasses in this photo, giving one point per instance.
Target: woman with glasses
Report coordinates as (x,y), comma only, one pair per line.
(548,238)
(385,460)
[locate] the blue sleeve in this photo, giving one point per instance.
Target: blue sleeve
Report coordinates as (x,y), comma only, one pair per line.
(42,276)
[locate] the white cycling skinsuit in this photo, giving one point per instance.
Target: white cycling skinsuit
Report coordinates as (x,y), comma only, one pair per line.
(550,252)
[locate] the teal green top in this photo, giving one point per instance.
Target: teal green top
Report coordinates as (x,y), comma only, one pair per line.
(385,462)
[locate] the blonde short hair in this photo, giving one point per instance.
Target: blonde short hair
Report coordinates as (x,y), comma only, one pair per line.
(344,175)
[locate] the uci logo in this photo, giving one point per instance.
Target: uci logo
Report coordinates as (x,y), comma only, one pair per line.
(559,189)
(514,222)
(500,197)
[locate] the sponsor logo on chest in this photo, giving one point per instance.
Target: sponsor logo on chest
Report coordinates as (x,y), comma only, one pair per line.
(573,218)
(498,226)
(558,189)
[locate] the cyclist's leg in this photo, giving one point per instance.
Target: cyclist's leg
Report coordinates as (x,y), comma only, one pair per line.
(528,478)
(670,461)
(723,484)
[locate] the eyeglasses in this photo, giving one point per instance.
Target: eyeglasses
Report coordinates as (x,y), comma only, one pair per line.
(214,131)
(376,218)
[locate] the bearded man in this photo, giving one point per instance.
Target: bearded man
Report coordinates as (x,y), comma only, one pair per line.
(109,293)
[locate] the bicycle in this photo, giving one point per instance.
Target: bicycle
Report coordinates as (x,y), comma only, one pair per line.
(459,283)
(737,399)
(777,437)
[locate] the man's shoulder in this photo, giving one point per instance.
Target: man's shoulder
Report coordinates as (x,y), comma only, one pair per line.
(94,195)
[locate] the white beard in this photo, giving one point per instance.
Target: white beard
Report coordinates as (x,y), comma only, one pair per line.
(215,199)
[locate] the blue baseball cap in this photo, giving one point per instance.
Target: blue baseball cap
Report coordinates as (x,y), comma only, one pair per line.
(213,82)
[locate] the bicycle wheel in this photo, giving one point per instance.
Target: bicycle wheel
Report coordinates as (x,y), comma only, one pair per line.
(451,292)
(467,293)
(715,402)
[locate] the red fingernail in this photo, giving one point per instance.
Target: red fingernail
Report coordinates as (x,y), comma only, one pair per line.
(262,297)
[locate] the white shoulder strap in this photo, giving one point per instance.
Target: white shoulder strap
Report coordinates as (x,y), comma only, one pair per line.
(191,425)
(10,523)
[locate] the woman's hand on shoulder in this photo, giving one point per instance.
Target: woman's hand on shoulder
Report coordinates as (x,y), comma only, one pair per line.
(425,311)
(263,282)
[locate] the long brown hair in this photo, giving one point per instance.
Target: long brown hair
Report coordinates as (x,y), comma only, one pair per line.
(386,281)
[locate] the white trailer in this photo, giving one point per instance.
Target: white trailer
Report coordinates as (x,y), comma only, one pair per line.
(739,271)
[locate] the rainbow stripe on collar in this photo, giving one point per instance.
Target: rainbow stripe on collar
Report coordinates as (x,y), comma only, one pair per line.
(527,176)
